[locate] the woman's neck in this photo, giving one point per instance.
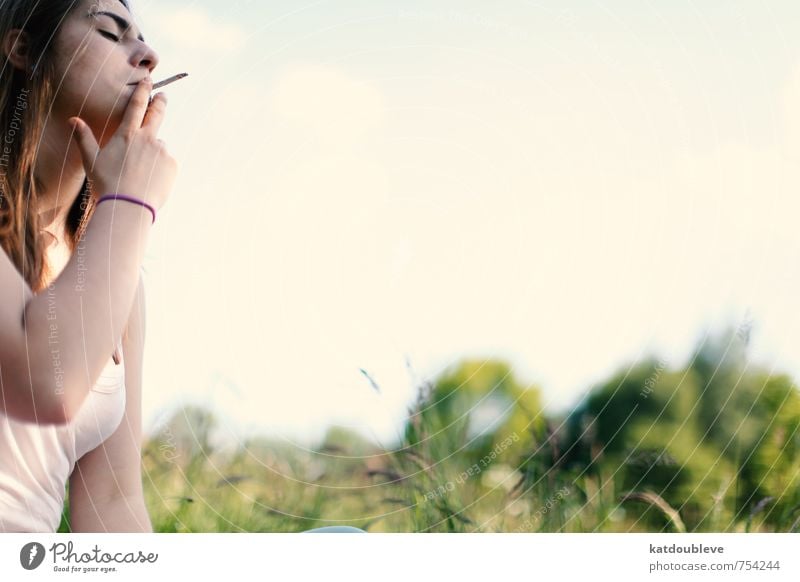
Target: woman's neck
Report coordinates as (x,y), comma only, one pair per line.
(59,170)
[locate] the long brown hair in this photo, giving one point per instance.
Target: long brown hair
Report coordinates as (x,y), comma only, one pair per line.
(25,101)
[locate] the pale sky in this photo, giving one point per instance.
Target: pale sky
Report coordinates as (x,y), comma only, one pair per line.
(570,186)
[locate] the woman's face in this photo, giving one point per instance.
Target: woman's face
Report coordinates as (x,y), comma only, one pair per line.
(99,61)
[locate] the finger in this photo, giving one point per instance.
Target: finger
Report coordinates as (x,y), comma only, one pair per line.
(155,113)
(137,106)
(87,144)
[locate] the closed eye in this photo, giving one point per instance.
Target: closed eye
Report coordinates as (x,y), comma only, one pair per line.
(113,37)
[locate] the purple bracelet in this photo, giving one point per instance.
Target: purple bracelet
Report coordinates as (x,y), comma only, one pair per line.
(129,199)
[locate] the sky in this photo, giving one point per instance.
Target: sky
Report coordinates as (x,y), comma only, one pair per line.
(395,187)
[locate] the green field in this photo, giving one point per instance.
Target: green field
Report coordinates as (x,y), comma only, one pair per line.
(711,447)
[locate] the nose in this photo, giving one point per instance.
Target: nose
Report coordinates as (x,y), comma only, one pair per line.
(145,57)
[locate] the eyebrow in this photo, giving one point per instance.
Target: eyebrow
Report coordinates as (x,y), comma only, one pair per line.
(123,24)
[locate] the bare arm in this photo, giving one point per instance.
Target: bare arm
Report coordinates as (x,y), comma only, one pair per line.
(73,326)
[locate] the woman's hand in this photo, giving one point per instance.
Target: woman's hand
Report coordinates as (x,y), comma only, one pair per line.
(134,161)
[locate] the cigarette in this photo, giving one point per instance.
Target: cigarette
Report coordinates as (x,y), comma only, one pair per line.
(170,80)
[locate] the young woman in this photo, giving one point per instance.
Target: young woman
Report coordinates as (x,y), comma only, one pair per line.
(77,128)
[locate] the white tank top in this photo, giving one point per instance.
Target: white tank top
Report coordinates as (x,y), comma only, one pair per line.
(37,460)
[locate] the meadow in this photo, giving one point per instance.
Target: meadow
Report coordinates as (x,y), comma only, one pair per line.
(711,447)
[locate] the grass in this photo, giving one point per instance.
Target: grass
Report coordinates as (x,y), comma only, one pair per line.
(429,482)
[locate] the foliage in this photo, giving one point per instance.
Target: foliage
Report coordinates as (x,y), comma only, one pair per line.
(712,446)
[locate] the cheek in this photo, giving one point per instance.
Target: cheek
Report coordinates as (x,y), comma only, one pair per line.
(89,86)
